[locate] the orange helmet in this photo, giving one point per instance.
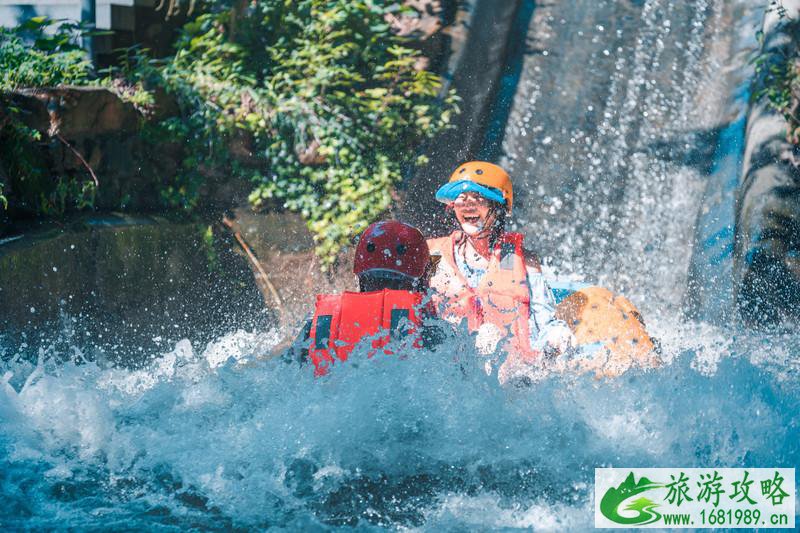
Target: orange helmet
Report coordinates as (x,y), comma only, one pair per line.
(486,179)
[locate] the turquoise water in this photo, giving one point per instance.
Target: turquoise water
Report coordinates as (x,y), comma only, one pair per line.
(198,440)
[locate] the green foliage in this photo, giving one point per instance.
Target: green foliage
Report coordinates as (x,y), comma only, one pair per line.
(3,199)
(19,157)
(779,82)
(30,57)
(212,257)
(316,102)
(133,78)
(775,75)
(328,101)
(35,189)
(68,193)
(778,76)
(39,53)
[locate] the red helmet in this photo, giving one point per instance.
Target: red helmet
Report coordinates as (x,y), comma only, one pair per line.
(392,247)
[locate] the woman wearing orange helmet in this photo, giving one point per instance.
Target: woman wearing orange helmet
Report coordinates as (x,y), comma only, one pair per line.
(487,278)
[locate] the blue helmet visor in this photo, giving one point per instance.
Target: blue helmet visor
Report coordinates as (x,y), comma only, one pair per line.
(450,191)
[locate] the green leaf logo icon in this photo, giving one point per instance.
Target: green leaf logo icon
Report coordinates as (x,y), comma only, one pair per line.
(645,508)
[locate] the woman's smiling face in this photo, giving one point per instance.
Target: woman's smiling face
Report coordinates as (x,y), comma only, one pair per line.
(473,212)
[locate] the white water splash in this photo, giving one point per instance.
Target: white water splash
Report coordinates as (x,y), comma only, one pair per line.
(421,439)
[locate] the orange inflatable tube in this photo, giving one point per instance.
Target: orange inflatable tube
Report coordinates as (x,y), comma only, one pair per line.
(597,316)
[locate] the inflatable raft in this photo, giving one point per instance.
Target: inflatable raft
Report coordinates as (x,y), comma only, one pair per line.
(610,331)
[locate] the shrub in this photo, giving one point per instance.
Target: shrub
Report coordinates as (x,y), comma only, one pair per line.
(778,75)
(316,102)
(331,103)
(29,57)
(39,53)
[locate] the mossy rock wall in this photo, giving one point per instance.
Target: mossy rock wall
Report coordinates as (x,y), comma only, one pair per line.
(90,133)
(767,254)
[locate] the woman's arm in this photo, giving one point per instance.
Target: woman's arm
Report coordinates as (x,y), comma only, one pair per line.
(548,334)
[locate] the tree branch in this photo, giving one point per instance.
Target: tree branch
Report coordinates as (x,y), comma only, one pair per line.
(80,157)
(262,279)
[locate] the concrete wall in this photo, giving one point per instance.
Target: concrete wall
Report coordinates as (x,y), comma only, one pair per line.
(108,14)
(14,12)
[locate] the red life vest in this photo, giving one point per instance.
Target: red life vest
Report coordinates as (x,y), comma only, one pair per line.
(342,320)
(502,296)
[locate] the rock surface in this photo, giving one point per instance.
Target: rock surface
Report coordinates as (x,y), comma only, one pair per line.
(76,112)
(107,283)
(91,134)
(478,41)
(767,257)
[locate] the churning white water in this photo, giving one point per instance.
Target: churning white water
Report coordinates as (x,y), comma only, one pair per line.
(223,436)
(193,440)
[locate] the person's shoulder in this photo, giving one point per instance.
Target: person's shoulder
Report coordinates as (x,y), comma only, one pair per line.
(437,243)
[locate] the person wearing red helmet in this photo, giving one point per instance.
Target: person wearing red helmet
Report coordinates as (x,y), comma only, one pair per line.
(393,265)
(392,255)
(487,278)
